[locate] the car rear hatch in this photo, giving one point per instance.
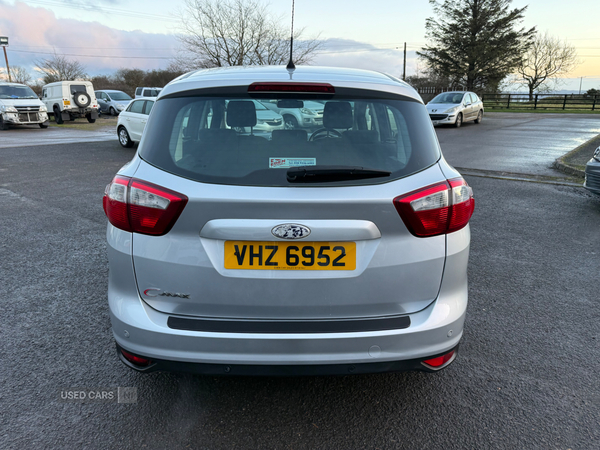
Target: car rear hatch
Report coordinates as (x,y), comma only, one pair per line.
(381,268)
(295,226)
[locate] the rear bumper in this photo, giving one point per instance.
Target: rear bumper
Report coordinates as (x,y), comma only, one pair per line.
(592,176)
(144,331)
(286,370)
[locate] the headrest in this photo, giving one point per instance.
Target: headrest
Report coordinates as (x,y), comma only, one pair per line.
(241,113)
(337,115)
(283,136)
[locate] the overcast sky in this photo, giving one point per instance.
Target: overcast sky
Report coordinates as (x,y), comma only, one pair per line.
(105,35)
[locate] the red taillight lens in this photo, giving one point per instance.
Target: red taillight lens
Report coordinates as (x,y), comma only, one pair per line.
(437,209)
(115,203)
(137,360)
(292,87)
(440,360)
(463,204)
(142,207)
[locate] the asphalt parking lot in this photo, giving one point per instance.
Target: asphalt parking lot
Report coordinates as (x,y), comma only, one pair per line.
(526,375)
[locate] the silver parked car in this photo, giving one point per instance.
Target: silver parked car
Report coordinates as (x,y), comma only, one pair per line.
(112,102)
(266,121)
(592,173)
(309,115)
(455,108)
(340,251)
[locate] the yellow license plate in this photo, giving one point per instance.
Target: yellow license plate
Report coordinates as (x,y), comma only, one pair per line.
(290,255)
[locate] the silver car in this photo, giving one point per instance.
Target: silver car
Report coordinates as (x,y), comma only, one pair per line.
(112,102)
(592,173)
(337,252)
(455,108)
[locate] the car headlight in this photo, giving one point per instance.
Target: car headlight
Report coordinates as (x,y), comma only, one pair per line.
(8,109)
(308,112)
(597,154)
(452,110)
(120,107)
(43,108)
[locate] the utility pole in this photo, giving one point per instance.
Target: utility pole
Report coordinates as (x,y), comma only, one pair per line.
(580,82)
(404,70)
(4,44)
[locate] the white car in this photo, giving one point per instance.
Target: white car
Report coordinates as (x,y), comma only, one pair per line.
(69,100)
(20,106)
(132,121)
(143,92)
(454,108)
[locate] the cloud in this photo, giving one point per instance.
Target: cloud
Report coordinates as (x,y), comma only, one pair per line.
(36,33)
(360,55)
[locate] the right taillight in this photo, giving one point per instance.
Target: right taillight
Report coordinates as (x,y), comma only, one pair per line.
(142,207)
(437,209)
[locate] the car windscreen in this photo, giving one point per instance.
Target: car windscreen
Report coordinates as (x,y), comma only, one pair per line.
(448,97)
(16,92)
(220,139)
(119,96)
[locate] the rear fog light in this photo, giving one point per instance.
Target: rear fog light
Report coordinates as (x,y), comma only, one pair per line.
(137,360)
(438,362)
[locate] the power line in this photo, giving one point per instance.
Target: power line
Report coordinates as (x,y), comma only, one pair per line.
(98,48)
(103,9)
(96,56)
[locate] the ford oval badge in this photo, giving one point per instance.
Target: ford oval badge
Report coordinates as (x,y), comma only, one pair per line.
(290,231)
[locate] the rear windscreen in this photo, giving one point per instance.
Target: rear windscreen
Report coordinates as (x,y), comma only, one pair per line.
(240,140)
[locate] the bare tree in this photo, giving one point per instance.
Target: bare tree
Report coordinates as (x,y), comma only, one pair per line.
(222,33)
(547,58)
(18,74)
(60,68)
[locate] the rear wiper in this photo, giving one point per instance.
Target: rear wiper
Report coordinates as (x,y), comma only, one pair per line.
(318,174)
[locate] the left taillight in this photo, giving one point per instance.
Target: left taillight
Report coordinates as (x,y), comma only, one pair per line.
(437,209)
(141,207)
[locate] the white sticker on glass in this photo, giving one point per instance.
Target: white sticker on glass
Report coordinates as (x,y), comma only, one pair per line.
(285,163)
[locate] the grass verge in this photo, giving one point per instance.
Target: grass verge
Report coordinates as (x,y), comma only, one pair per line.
(82,124)
(540,111)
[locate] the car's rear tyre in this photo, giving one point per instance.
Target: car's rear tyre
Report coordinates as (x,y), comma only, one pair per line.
(124,138)
(112,111)
(43,125)
(290,122)
(89,118)
(3,124)
(479,117)
(58,116)
(459,120)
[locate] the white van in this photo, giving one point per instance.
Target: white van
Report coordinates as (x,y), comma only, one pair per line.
(20,106)
(69,100)
(147,92)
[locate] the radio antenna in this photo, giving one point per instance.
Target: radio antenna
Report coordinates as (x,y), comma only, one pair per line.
(291,65)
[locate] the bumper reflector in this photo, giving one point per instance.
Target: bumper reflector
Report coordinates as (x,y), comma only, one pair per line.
(137,360)
(440,360)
